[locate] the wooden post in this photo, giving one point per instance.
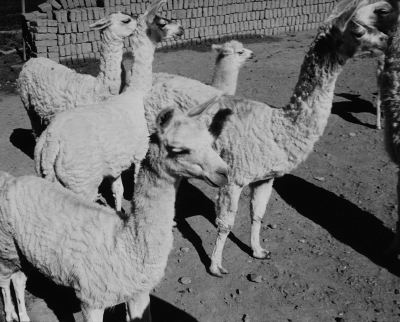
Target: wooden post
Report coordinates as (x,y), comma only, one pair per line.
(23,39)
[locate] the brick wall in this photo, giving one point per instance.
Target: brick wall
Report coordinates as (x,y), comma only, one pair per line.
(60,30)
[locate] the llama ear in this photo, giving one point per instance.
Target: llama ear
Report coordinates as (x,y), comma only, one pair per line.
(344,12)
(100,24)
(198,110)
(216,47)
(228,50)
(164,119)
(152,9)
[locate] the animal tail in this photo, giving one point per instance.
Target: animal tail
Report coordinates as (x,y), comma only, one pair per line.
(46,153)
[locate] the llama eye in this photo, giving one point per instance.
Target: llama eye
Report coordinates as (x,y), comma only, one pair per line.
(360,33)
(161,25)
(382,12)
(126,21)
(241,52)
(177,151)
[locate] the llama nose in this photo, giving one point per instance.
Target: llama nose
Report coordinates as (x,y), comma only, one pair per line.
(252,55)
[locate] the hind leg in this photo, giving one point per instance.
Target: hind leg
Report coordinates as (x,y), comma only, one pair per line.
(36,123)
(138,309)
(118,192)
(19,283)
(378,110)
(227,206)
(260,194)
(9,309)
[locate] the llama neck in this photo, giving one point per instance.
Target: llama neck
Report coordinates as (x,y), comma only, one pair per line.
(140,79)
(109,78)
(153,210)
(389,89)
(225,77)
(311,101)
(305,117)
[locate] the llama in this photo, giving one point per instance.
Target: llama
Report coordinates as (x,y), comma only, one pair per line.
(384,18)
(389,91)
(85,145)
(260,143)
(107,258)
(231,57)
(47,88)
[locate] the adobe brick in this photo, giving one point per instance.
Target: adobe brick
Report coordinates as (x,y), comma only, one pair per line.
(67,39)
(73,38)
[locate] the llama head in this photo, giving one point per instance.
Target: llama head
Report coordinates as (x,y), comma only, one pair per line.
(159,28)
(382,14)
(118,24)
(185,147)
(234,52)
(351,34)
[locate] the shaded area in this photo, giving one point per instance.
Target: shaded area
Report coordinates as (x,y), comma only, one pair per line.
(345,221)
(355,105)
(24,140)
(191,201)
(63,302)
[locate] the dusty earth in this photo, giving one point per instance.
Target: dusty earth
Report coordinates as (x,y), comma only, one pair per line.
(327,223)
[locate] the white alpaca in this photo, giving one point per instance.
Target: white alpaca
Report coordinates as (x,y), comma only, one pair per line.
(260,143)
(47,88)
(106,258)
(85,145)
(231,57)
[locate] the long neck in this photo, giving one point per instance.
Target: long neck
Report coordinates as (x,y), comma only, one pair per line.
(109,79)
(389,88)
(225,76)
(304,119)
(140,78)
(153,209)
(311,101)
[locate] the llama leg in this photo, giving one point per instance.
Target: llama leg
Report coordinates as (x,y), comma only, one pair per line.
(227,206)
(138,309)
(118,191)
(261,192)
(137,168)
(36,124)
(19,282)
(395,246)
(8,305)
(378,111)
(92,315)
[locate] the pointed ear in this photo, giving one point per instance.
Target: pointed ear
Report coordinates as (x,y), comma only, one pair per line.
(152,9)
(198,110)
(100,24)
(164,119)
(217,48)
(344,12)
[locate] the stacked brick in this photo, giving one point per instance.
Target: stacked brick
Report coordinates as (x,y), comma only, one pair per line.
(60,29)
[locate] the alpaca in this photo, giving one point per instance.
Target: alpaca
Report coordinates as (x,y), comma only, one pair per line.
(106,257)
(260,143)
(85,145)
(384,18)
(47,88)
(389,93)
(231,57)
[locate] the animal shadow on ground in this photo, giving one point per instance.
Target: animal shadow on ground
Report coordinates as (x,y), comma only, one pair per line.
(191,201)
(24,140)
(345,221)
(62,301)
(345,109)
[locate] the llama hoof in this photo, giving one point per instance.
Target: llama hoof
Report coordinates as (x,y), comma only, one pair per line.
(13,316)
(23,317)
(217,270)
(263,254)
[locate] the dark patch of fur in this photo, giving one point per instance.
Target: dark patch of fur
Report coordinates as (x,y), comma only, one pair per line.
(218,121)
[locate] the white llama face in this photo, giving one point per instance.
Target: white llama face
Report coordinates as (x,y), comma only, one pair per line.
(186,149)
(163,28)
(118,23)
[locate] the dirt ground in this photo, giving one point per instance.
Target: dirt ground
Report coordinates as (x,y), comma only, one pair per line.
(327,223)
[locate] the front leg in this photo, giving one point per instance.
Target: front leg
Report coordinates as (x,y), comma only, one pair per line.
(118,192)
(227,206)
(92,315)
(260,194)
(138,309)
